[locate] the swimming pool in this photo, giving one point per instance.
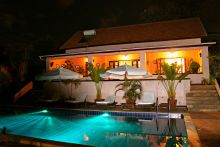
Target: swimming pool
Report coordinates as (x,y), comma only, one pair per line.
(98,128)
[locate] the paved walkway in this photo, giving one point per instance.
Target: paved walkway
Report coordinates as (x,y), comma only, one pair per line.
(208,127)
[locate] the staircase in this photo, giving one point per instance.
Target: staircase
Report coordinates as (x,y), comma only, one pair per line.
(203,98)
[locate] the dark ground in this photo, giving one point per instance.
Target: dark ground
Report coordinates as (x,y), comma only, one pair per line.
(208,127)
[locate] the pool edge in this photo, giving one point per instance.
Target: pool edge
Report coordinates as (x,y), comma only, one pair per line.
(193,137)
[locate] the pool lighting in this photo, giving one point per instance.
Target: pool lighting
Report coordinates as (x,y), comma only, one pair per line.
(44,111)
(105,115)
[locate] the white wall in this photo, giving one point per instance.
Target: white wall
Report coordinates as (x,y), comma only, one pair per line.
(109,89)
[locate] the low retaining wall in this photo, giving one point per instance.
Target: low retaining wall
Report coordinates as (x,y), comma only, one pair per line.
(59,89)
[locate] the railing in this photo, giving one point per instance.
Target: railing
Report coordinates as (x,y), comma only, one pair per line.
(23,91)
(217,87)
(168,106)
(157,105)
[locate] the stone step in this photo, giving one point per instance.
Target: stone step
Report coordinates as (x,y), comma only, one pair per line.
(202,87)
(214,106)
(203,110)
(202,98)
(202,90)
(212,102)
(202,93)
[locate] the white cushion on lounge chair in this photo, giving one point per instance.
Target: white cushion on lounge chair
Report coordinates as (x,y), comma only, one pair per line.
(49,100)
(147,99)
(143,103)
(103,102)
(73,101)
(79,99)
(108,100)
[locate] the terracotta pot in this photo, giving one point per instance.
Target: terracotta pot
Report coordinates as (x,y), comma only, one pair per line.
(130,103)
(98,100)
(173,103)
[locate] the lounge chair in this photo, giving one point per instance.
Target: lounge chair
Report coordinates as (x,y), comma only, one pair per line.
(81,98)
(109,100)
(49,100)
(148,99)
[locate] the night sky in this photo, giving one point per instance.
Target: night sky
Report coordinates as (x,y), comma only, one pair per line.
(29,28)
(48,23)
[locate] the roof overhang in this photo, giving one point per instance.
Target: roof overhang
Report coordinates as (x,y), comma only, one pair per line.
(126,49)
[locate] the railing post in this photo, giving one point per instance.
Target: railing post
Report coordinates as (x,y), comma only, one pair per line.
(168,108)
(157,105)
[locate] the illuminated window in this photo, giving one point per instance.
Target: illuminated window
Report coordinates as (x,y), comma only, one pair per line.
(134,63)
(113,64)
(180,62)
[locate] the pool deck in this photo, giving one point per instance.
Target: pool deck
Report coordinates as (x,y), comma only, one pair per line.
(207,125)
(193,137)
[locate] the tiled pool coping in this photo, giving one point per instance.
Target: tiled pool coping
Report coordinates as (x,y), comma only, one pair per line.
(131,113)
(119,113)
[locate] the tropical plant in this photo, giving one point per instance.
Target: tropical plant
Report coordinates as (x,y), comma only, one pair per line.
(214,62)
(171,79)
(5,80)
(132,89)
(194,67)
(70,65)
(95,76)
(75,82)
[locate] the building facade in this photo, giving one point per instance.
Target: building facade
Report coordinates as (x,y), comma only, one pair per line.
(144,46)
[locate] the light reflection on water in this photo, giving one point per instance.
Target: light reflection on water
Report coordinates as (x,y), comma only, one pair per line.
(102,130)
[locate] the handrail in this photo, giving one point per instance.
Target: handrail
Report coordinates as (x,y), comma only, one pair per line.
(217,87)
(23,91)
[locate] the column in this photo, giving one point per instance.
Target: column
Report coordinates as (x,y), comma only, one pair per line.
(143,60)
(205,62)
(90,58)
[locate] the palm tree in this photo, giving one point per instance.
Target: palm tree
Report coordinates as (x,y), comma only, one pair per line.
(171,80)
(132,90)
(95,76)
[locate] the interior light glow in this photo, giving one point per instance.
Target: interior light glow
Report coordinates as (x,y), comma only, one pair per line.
(172,54)
(125,57)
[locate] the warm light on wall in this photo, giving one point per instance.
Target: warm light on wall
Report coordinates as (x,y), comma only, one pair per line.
(125,57)
(86,59)
(172,54)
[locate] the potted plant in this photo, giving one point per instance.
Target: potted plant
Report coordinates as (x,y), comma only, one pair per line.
(194,67)
(132,90)
(171,81)
(95,76)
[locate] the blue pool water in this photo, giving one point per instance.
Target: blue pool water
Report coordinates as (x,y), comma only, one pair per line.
(96,128)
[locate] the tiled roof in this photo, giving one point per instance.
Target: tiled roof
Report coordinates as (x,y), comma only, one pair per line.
(148,32)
